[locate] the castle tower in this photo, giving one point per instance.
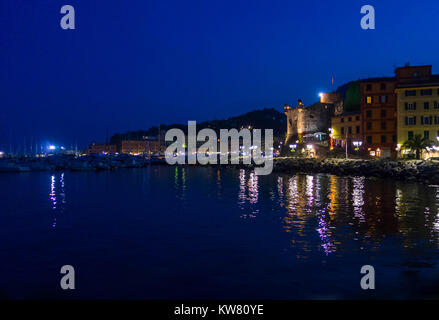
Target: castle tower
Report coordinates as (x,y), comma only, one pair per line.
(295,122)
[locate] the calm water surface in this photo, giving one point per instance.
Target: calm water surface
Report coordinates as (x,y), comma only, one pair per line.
(184,233)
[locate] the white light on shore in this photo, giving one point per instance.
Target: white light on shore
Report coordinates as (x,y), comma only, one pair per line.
(51,147)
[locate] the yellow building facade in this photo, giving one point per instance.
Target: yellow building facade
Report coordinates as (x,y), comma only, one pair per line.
(346,126)
(418,113)
(418,110)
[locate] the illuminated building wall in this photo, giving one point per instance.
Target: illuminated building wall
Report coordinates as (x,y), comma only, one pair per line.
(99,148)
(378,113)
(348,125)
(132,147)
(302,120)
(417,105)
(154,147)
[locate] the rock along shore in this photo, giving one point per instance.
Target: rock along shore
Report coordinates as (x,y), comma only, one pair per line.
(409,170)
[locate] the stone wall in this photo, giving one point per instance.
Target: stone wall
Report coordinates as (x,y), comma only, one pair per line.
(414,170)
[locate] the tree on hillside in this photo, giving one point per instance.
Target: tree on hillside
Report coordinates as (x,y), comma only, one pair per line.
(352,99)
(417,144)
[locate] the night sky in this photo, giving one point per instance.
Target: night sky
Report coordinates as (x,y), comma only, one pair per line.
(133,64)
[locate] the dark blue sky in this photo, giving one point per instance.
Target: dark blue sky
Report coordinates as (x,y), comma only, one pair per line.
(133,64)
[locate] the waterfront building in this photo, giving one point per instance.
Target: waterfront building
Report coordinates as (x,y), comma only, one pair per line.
(418,105)
(347,128)
(378,114)
(346,124)
(154,147)
(101,148)
(134,147)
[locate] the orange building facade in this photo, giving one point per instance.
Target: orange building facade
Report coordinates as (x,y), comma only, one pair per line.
(378,113)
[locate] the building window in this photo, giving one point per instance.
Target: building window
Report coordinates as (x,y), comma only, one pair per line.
(410,93)
(368,87)
(394,139)
(357,129)
(357,118)
(426,105)
(369,139)
(427,134)
(383,126)
(426,120)
(410,121)
(342,119)
(410,135)
(426,92)
(383,139)
(383,99)
(369,114)
(342,130)
(368,99)
(383,86)
(369,126)
(383,113)
(410,106)
(436,119)
(436,105)
(350,130)
(350,119)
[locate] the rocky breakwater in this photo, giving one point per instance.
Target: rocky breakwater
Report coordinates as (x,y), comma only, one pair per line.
(409,170)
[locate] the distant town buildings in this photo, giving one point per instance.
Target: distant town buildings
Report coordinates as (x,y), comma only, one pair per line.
(148,146)
(132,147)
(100,148)
(373,116)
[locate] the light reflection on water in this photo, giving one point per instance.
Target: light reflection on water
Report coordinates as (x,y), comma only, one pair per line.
(344,207)
(57,195)
(248,193)
(265,233)
(319,202)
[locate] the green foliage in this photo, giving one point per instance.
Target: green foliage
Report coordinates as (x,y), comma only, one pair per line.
(417,144)
(352,97)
